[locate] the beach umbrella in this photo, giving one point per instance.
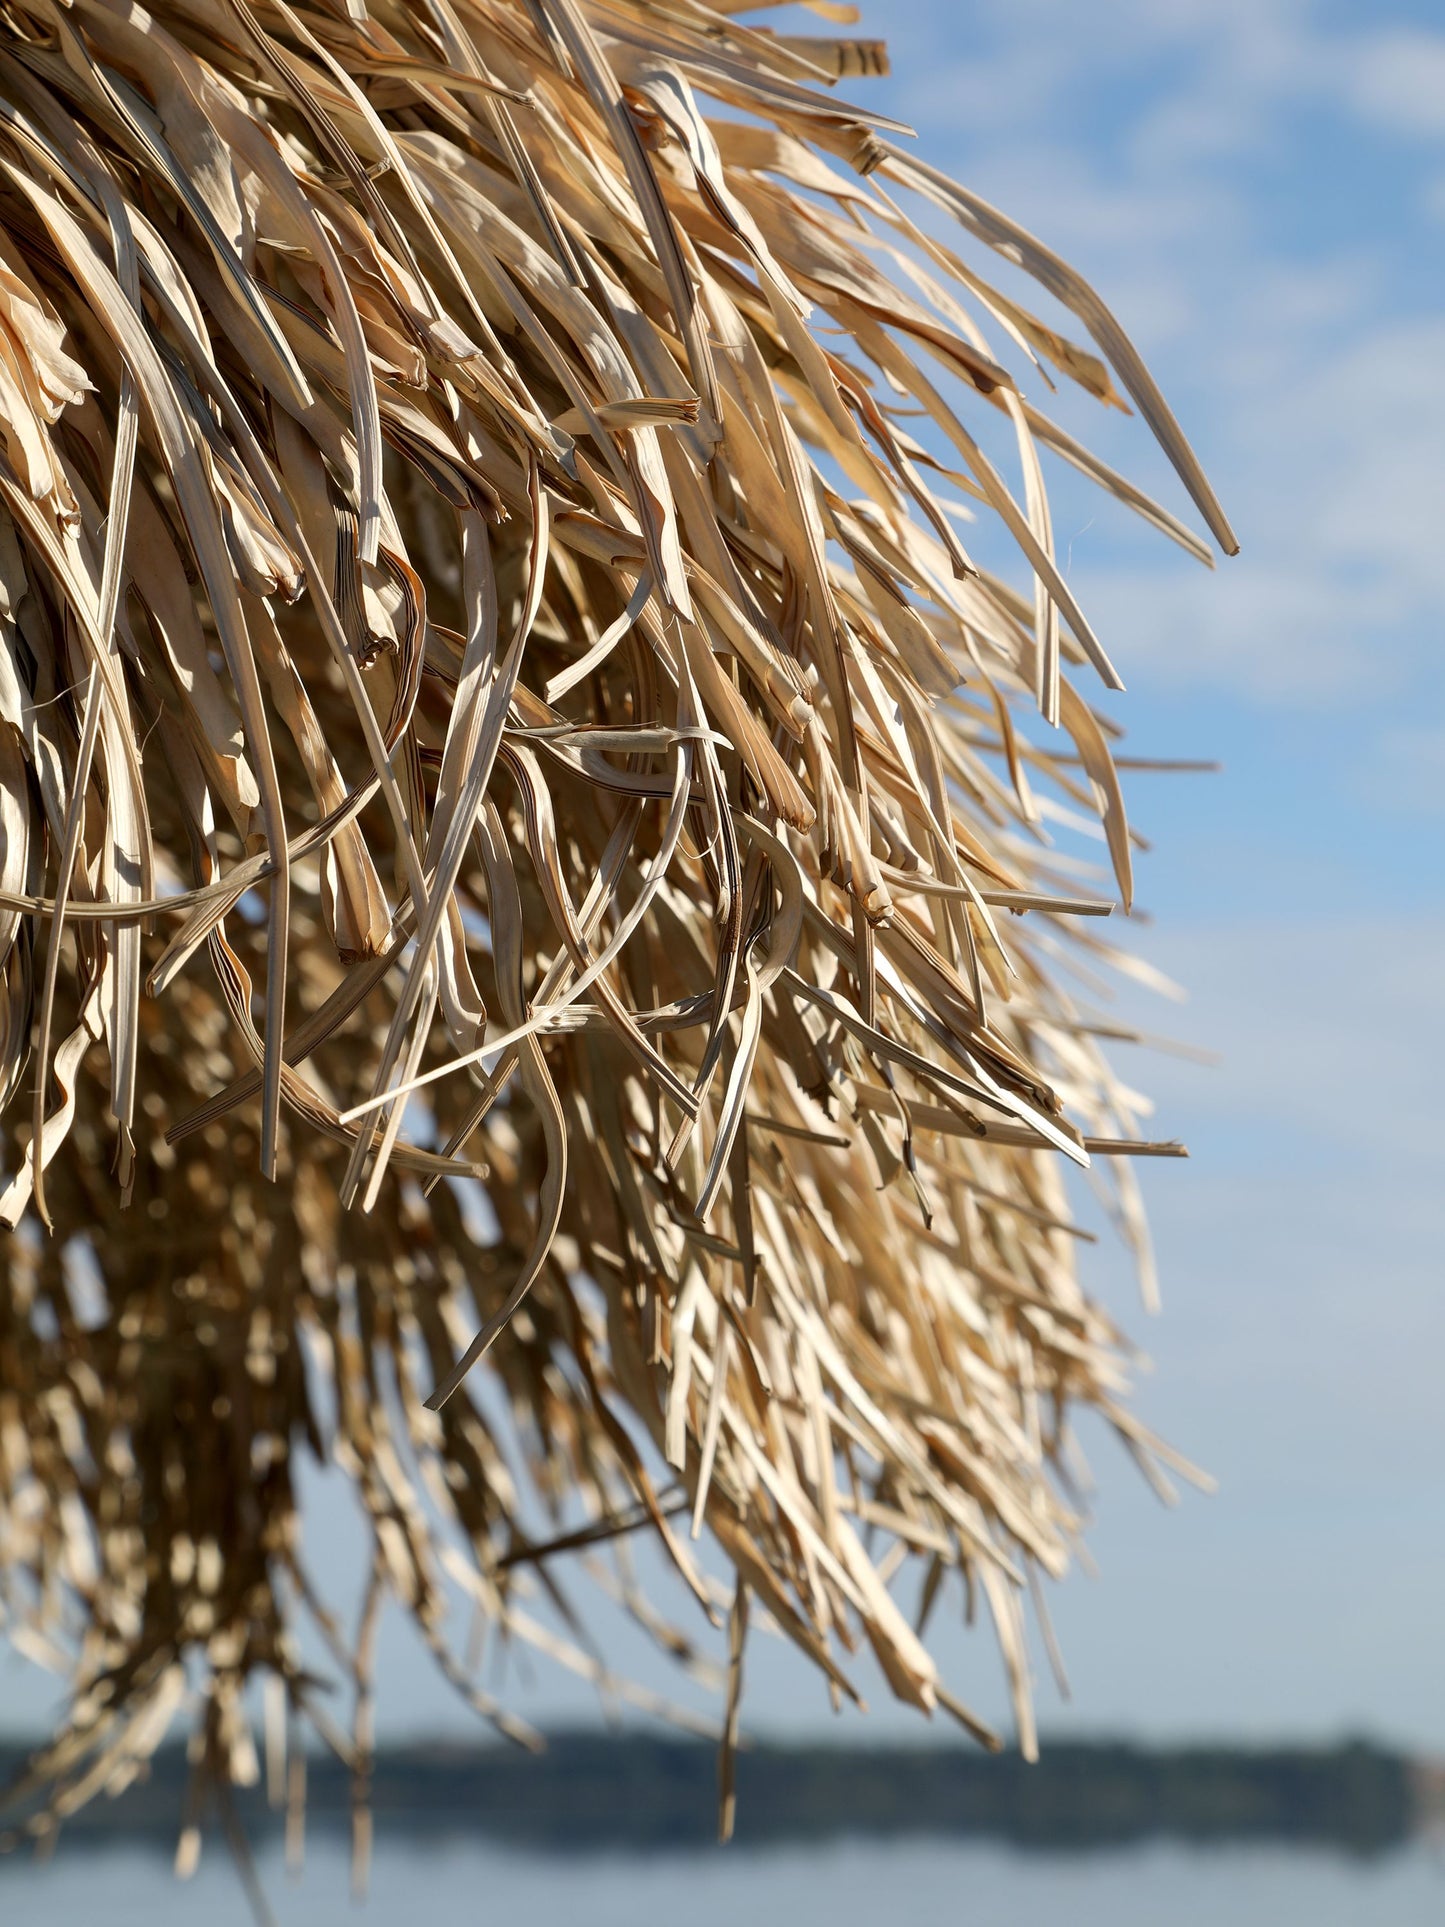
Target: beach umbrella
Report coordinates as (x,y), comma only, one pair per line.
(544,969)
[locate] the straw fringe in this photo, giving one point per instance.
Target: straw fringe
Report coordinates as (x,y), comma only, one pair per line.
(500,732)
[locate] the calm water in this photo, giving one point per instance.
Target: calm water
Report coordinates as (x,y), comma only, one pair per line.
(850,1885)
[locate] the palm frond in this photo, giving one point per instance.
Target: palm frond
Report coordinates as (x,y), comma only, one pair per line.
(524,836)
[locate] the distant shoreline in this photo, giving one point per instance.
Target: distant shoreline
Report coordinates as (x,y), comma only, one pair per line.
(639,1792)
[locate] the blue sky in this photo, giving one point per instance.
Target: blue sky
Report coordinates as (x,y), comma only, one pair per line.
(1258,188)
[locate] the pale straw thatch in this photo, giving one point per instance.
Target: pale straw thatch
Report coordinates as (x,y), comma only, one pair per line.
(483,619)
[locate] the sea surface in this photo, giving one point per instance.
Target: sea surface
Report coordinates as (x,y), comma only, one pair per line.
(851,1884)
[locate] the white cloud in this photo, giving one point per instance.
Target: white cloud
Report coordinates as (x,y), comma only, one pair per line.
(1331,1030)
(1334,475)
(1272,631)
(1162,146)
(1397,79)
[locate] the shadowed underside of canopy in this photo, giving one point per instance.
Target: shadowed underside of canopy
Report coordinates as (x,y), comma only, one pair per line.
(525,803)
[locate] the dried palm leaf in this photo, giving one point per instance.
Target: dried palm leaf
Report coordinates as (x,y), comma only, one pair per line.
(521,837)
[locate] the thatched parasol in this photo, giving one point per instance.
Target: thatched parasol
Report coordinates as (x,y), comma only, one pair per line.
(524,836)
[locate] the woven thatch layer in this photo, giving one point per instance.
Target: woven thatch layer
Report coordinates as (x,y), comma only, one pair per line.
(479,617)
